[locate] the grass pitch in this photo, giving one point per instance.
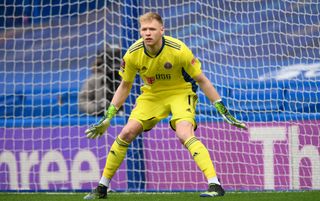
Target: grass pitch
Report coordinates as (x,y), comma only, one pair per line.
(230,196)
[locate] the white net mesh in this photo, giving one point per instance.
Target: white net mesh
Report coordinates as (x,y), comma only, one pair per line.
(262,56)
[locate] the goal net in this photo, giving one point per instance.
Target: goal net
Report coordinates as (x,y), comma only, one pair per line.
(262,56)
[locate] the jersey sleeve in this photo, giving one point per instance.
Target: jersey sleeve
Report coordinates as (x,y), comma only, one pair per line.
(192,65)
(128,70)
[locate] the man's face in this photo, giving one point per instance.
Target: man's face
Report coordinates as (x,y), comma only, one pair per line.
(151,31)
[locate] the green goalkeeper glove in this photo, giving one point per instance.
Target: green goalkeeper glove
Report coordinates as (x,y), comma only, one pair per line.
(98,129)
(227,116)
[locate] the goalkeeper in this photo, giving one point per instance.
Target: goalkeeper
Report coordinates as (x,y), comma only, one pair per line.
(171,75)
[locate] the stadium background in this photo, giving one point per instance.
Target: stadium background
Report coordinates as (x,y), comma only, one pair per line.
(263,57)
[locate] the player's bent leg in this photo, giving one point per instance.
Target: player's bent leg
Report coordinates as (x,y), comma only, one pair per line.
(119,148)
(201,156)
(198,151)
(115,157)
(131,130)
(184,129)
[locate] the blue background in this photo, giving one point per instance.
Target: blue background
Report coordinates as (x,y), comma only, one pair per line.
(47,49)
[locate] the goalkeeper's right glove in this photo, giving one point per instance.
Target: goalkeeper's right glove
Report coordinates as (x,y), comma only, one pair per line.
(98,129)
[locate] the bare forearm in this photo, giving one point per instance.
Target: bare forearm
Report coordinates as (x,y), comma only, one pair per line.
(121,94)
(210,91)
(207,88)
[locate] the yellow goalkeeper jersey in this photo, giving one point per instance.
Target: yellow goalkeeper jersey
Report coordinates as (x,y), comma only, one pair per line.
(171,69)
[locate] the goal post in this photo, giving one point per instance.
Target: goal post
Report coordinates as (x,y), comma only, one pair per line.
(262,56)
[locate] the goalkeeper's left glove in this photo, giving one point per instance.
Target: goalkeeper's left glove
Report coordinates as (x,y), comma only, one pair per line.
(227,116)
(98,129)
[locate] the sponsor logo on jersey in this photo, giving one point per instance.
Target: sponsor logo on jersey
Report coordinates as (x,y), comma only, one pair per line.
(163,76)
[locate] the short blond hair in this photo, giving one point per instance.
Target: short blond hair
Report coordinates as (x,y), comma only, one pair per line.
(150,16)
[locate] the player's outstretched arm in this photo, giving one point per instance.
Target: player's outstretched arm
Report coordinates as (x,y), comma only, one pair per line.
(118,99)
(210,91)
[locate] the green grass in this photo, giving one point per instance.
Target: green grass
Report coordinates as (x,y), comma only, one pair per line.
(230,196)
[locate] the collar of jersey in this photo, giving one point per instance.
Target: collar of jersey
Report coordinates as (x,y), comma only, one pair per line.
(146,52)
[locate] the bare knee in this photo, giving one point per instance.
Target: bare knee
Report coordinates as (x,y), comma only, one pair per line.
(184,130)
(128,134)
(130,131)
